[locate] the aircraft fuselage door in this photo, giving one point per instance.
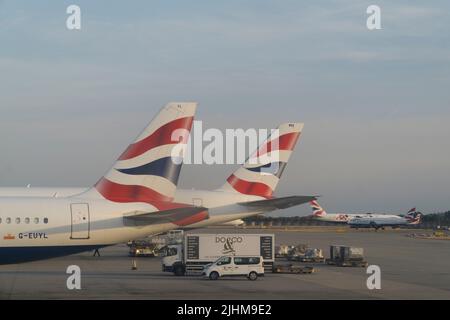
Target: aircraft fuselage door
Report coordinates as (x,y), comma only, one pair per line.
(80,221)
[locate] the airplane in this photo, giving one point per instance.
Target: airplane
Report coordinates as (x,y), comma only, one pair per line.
(248,191)
(381,221)
(320,214)
(124,204)
(365,220)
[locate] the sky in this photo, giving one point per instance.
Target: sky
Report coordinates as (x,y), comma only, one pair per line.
(376,104)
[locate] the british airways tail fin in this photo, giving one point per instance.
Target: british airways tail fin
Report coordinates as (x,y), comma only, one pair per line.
(413,216)
(261,173)
(318,211)
(148,170)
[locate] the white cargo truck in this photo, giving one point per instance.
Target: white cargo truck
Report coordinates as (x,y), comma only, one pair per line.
(199,250)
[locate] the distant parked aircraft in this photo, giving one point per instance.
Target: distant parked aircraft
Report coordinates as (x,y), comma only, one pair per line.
(366,220)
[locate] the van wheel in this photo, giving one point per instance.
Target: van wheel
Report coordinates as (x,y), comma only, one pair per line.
(178,271)
(214,275)
(253,276)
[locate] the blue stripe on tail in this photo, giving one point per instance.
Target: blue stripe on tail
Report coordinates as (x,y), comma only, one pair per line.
(275,168)
(164,167)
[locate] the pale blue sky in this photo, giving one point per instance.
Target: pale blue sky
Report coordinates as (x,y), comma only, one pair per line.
(376,104)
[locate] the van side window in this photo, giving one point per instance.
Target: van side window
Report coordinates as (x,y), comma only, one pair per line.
(254,260)
(223,261)
(250,260)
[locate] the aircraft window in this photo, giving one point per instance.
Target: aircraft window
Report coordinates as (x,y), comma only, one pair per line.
(36,220)
(8,220)
(17,220)
(45,220)
(27,220)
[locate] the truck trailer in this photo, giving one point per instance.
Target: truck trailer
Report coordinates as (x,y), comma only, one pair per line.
(199,250)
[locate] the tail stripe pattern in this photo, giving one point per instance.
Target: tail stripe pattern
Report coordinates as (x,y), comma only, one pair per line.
(285,142)
(146,171)
(163,167)
(251,188)
(260,175)
(161,136)
(317,209)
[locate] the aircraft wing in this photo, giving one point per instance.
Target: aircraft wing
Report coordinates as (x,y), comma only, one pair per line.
(179,216)
(278,203)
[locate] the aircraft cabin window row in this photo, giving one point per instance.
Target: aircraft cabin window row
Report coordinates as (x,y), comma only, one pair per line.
(27,220)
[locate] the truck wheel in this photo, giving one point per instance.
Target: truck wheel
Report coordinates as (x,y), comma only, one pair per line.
(253,276)
(214,275)
(178,271)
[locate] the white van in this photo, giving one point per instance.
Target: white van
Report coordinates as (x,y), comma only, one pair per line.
(249,266)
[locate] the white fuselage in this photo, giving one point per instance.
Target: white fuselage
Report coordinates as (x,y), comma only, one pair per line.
(222,205)
(335,217)
(378,221)
(34,228)
(365,219)
(48,219)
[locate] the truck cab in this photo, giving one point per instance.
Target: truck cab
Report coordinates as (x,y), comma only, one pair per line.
(228,266)
(173,261)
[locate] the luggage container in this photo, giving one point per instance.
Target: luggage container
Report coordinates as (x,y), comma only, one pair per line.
(347,256)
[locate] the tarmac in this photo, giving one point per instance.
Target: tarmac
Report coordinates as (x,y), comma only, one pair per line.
(410,269)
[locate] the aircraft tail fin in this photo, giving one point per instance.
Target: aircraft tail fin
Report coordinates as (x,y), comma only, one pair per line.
(318,211)
(414,217)
(148,170)
(262,171)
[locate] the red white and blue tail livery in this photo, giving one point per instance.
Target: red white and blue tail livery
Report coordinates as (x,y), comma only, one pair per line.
(149,169)
(318,211)
(260,174)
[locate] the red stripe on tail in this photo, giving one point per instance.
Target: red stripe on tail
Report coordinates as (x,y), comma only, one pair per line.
(160,137)
(128,193)
(250,188)
(285,142)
